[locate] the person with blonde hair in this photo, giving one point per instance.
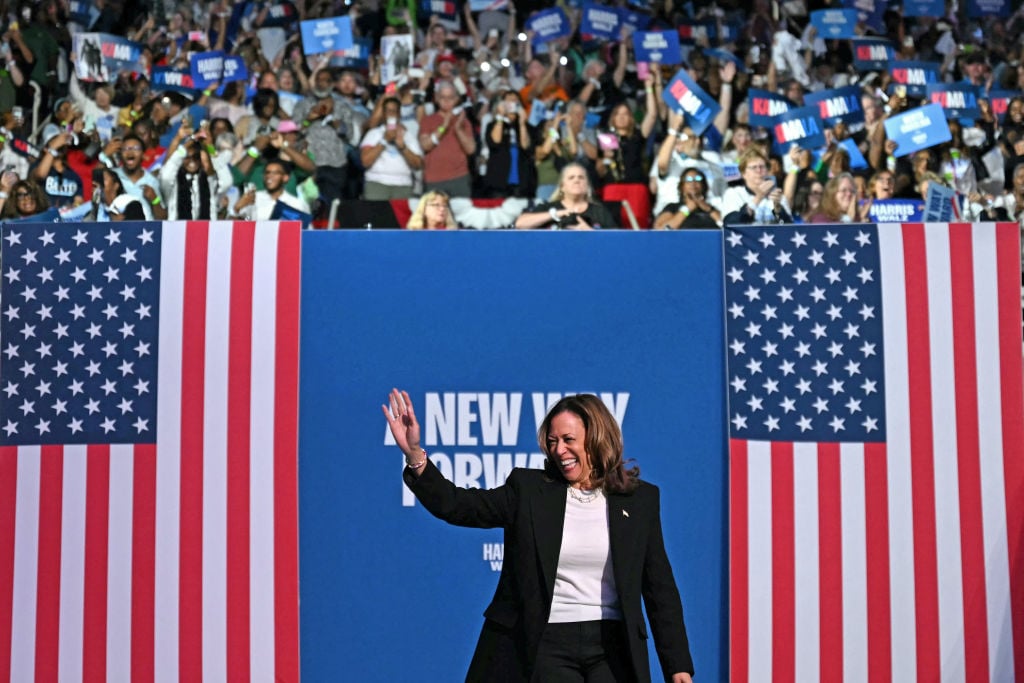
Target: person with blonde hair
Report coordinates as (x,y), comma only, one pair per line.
(432,213)
(572,205)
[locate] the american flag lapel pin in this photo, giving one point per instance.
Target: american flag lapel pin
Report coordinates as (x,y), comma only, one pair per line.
(625,514)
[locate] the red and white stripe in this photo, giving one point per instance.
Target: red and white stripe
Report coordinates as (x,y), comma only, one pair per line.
(179,561)
(900,561)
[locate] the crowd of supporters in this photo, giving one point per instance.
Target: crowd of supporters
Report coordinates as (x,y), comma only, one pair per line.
(482,110)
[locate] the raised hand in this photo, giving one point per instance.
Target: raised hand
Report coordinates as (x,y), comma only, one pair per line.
(402,420)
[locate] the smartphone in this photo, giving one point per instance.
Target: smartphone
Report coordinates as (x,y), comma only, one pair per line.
(608,141)
(770,179)
(249,187)
(392,123)
(643,70)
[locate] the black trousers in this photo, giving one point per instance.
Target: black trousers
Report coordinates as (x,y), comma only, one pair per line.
(584,652)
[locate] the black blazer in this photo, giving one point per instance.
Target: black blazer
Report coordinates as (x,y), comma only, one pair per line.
(530,506)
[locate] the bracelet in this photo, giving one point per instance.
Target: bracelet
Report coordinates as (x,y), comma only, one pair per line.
(433,138)
(553,212)
(305,123)
(54,153)
(685,210)
(3,195)
(727,85)
(155,201)
(441,130)
(253,152)
(418,465)
(208,92)
(672,132)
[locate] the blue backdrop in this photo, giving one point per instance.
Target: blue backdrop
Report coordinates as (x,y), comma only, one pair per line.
(390,593)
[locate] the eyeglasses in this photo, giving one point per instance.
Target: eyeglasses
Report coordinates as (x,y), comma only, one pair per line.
(22,195)
(757,167)
(132,148)
(437,205)
(695,178)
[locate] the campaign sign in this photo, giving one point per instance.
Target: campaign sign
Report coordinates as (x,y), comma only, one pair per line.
(598,20)
(207,68)
(765,105)
(177,80)
(958,100)
(1000,101)
(661,47)
(938,204)
(102,56)
(550,24)
(446,10)
(487,5)
(915,76)
(729,32)
(356,57)
(280,15)
(872,54)
(693,32)
(78,12)
(834,23)
(988,8)
(896,210)
(24,148)
(869,12)
(924,8)
(326,35)
(800,126)
(724,56)
(638,21)
(234,69)
(684,95)
(838,104)
(917,129)
(857,160)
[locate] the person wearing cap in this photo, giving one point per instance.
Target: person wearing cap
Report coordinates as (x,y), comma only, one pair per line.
(390,154)
(63,186)
(974,66)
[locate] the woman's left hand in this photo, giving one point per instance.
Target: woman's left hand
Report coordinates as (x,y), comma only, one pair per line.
(682,677)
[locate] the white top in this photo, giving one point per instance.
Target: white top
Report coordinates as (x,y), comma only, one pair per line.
(391,168)
(584,583)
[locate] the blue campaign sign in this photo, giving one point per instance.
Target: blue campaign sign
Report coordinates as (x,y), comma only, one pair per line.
(834,23)
(326,35)
(693,32)
(800,126)
(234,69)
(446,10)
(362,530)
(958,100)
(550,24)
(917,129)
(857,160)
(896,210)
(178,80)
(280,15)
(838,104)
(638,21)
(988,8)
(924,8)
(207,68)
(684,95)
(871,13)
(914,76)
(79,12)
(725,56)
(487,5)
(356,57)
(598,20)
(872,54)
(765,105)
(938,203)
(661,47)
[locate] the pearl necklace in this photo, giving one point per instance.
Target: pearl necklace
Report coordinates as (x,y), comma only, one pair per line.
(584,496)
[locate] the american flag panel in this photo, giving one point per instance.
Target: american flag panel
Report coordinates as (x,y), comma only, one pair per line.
(148,444)
(876,455)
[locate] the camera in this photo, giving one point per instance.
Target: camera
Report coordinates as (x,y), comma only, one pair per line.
(568,220)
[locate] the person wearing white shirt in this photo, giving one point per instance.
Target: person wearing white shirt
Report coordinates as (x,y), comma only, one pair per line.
(256,205)
(759,199)
(390,154)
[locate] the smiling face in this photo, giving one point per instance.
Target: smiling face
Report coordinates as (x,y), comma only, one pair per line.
(566,445)
(846,193)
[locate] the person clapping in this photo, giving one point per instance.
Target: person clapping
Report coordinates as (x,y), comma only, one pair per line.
(572,206)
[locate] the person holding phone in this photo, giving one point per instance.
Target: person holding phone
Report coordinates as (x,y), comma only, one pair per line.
(390,153)
(572,206)
(759,199)
(511,168)
(583,544)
